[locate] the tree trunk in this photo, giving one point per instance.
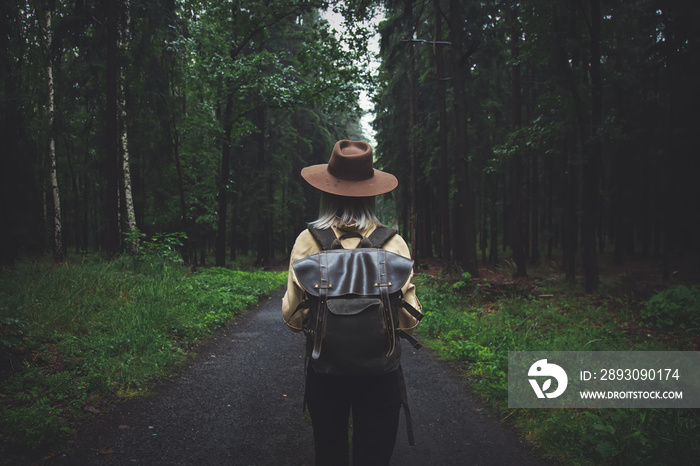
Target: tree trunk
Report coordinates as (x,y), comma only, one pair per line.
(424,232)
(567,64)
(484,233)
(570,208)
(188,252)
(549,207)
(622,194)
(58,250)
(86,191)
(535,214)
(220,253)
(123,139)
(443,203)
(112,133)
(78,204)
(464,218)
(591,168)
(169,124)
(516,179)
(493,211)
(233,234)
(415,243)
(265,193)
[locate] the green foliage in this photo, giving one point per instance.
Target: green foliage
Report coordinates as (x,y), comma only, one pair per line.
(32,426)
(541,135)
(217,294)
(83,333)
(161,245)
(464,283)
(677,306)
(479,335)
(12,331)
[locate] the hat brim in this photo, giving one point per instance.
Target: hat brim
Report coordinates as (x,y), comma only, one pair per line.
(318,177)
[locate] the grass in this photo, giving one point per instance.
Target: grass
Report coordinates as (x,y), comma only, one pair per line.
(476,323)
(76,336)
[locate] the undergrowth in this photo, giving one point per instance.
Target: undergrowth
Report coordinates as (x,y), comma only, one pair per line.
(476,323)
(78,335)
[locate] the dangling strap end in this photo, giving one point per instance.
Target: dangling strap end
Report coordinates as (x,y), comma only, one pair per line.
(415,343)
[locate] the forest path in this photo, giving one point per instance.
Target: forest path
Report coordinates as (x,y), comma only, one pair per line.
(239,403)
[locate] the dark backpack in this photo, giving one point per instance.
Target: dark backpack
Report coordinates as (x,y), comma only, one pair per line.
(354,297)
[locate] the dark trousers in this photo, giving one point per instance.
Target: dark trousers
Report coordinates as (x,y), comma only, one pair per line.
(375,402)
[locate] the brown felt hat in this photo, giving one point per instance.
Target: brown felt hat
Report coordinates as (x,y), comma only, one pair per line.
(349,172)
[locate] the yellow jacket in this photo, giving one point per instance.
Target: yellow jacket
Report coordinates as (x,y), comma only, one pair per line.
(306,245)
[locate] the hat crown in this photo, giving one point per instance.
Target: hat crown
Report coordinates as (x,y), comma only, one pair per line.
(351,161)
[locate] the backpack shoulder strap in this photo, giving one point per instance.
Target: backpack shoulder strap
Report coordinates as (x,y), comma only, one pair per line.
(380,236)
(326,239)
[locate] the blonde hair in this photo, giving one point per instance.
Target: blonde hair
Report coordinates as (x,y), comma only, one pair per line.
(337,210)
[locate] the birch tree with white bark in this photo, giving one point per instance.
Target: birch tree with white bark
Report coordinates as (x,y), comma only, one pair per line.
(58,253)
(123,139)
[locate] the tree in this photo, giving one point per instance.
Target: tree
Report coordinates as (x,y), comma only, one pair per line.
(443,204)
(464,216)
(516,171)
(112,135)
(591,167)
(58,248)
(123,139)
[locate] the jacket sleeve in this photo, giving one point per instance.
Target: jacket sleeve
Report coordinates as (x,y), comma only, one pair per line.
(292,298)
(407,322)
(304,246)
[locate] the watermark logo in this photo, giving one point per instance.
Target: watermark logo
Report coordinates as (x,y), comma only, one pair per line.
(604,379)
(542,369)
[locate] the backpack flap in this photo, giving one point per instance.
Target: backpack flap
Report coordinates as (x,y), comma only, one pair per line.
(353,272)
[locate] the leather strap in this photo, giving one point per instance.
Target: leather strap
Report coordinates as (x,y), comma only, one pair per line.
(383,285)
(412,310)
(415,343)
(380,235)
(320,330)
(325,238)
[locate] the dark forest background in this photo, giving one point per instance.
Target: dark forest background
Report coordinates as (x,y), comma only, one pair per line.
(519,130)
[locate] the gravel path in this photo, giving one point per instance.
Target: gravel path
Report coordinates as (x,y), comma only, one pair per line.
(240,404)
